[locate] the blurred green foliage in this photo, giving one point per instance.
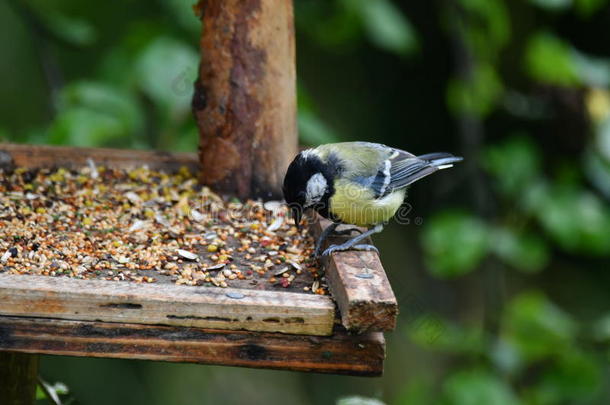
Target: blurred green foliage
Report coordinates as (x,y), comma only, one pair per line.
(512,303)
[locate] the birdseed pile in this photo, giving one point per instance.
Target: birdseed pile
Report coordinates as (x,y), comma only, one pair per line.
(147,227)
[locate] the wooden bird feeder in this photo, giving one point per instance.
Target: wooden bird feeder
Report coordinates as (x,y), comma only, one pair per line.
(245,107)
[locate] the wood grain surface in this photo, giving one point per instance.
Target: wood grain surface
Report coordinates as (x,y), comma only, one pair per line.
(206,307)
(340,353)
(39,156)
(359,286)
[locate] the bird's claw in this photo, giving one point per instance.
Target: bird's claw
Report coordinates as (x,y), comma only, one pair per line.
(316,252)
(346,246)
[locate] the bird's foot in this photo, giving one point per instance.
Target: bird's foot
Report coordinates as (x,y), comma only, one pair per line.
(367,247)
(316,251)
(343,232)
(332,230)
(354,243)
(347,232)
(348,246)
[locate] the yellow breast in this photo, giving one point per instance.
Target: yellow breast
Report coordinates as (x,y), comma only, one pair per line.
(356,205)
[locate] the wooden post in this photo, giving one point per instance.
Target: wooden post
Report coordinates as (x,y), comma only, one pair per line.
(359,286)
(18,378)
(245,95)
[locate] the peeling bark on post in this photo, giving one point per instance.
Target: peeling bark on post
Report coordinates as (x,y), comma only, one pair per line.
(245,96)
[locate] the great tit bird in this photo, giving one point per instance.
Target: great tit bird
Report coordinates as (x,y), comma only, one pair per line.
(358,183)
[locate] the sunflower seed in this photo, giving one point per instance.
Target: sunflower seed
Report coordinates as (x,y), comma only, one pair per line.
(197,216)
(187,255)
(273,206)
(137,225)
(133,197)
(5,256)
(162,221)
(276,224)
(281,271)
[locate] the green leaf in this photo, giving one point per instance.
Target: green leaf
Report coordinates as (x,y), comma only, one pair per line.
(119,65)
(575,376)
(477,387)
(536,327)
(313,131)
(387,27)
(95,114)
(187,140)
(53,390)
(526,252)
(576,219)
(587,8)
(593,71)
(602,141)
(597,170)
(552,4)
(477,96)
(435,333)
(514,163)
(549,60)
(166,70)
(183,13)
(417,391)
(72,30)
(505,357)
(40,393)
(488,29)
(335,25)
(601,329)
(454,243)
(103,98)
(86,128)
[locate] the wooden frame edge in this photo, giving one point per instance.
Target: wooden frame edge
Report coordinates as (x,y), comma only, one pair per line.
(341,353)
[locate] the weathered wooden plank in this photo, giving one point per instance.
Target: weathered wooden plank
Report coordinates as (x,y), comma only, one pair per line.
(206,307)
(39,156)
(359,286)
(340,353)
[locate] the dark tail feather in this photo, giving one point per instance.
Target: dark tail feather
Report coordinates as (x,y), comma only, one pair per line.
(441,160)
(411,169)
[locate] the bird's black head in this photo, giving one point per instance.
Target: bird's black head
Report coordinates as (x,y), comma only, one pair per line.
(308,184)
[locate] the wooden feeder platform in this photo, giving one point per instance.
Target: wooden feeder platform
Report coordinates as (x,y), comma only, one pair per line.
(260,328)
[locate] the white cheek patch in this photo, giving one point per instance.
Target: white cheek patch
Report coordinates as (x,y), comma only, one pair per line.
(316,187)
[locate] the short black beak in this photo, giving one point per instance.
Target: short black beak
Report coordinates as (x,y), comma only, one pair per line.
(296,213)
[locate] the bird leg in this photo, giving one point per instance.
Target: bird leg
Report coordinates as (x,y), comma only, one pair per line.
(327,232)
(323,236)
(354,242)
(348,231)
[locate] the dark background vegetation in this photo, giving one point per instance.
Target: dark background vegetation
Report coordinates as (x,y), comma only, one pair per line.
(502,273)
